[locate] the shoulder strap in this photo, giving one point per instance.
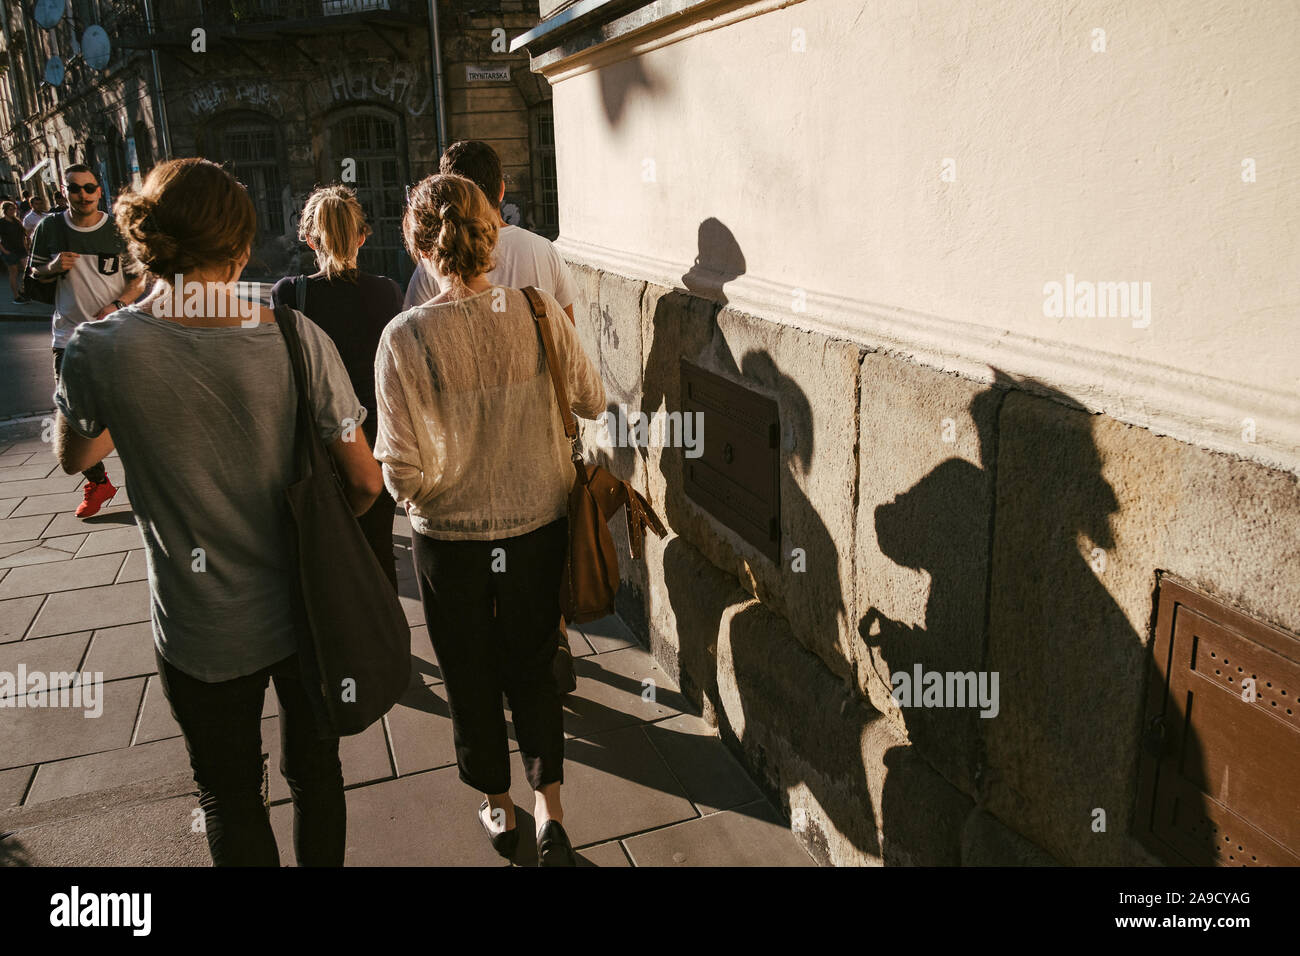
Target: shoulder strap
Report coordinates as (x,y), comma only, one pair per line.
(61,241)
(538,305)
(306,441)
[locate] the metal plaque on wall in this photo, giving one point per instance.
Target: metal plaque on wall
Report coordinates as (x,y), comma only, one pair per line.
(736,477)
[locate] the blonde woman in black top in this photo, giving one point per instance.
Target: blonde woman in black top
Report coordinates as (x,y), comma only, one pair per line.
(352,307)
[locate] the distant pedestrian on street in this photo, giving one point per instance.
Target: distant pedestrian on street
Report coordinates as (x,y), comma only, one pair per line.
(40,209)
(60,202)
(13,248)
(352,307)
(202,409)
(523,258)
(473,445)
(82,250)
(25,205)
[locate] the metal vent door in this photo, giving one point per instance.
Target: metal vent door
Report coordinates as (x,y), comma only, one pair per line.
(1220,780)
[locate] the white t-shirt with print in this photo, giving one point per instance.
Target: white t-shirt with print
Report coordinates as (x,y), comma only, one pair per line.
(523,258)
(95,280)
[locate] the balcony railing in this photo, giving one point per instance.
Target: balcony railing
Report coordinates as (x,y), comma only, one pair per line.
(174,19)
(259,11)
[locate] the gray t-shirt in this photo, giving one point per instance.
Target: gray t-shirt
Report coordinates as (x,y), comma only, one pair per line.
(203,420)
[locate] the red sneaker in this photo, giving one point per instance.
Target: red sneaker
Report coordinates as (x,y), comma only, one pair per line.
(97,494)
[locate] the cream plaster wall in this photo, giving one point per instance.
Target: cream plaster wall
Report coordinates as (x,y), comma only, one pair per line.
(1122,165)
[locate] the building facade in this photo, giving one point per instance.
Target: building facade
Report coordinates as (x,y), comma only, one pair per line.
(291,94)
(989,312)
(104,118)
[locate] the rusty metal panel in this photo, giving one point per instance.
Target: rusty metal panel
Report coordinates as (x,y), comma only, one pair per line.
(1219,780)
(737,477)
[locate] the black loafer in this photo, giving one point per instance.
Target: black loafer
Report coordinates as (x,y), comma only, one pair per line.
(506,842)
(553,847)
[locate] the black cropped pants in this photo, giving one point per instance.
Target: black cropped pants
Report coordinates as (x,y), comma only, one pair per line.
(493,612)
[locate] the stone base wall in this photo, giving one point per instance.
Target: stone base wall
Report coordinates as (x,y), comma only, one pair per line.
(947,523)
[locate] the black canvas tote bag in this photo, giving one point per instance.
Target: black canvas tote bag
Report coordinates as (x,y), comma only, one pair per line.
(354,642)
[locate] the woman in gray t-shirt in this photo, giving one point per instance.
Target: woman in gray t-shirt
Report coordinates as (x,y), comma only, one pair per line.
(197,396)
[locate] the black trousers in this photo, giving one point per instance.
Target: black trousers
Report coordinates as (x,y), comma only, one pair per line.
(493,612)
(222,724)
(95,473)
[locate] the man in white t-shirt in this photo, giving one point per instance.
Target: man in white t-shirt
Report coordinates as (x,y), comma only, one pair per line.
(83,253)
(40,208)
(523,258)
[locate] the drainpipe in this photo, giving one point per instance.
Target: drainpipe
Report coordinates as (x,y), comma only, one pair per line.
(160,101)
(439,109)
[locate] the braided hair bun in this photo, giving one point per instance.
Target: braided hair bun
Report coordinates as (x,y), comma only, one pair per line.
(451,223)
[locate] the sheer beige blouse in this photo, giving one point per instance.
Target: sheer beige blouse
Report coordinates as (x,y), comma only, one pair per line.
(469,432)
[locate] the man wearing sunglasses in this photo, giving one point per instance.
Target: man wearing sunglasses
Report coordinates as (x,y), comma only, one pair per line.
(83,252)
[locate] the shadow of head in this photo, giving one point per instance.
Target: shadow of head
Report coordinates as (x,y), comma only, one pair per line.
(944,524)
(946,512)
(719,260)
(1064,464)
(941,515)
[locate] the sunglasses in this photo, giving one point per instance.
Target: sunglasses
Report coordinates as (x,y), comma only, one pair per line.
(89,189)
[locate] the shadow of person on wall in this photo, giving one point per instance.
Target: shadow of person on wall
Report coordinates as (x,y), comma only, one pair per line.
(1060,691)
(774,711)
(941,526)
(801,693)
(685,324)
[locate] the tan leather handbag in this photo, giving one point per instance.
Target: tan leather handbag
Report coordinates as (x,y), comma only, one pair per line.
(590,578)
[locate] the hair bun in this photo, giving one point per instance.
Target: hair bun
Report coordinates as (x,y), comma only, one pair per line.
(190,213)
(449,220)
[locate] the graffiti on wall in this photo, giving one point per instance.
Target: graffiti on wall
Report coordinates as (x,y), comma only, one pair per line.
(220,95)
(404,85)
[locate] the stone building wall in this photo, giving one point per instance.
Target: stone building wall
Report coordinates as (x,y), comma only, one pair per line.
(860,212)
(305,89)
(288,88)
(92,116)
(947,522)
(504,113)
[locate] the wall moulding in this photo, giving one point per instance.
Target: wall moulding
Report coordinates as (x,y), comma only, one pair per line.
(605,40)
(1196,409)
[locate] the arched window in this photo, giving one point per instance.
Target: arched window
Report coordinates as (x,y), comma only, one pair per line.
(249,146)
(374,141)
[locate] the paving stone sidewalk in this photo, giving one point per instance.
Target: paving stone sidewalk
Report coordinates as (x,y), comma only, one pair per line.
(23,310)
(646,782)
